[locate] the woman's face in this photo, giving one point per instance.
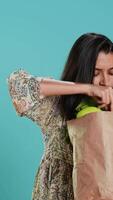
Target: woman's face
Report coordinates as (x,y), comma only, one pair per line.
(104,70)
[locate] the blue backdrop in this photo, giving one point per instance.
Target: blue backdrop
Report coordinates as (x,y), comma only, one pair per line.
(36,35)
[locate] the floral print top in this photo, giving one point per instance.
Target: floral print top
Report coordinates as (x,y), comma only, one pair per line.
(53,180)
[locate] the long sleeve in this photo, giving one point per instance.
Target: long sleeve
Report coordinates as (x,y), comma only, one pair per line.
(24,90)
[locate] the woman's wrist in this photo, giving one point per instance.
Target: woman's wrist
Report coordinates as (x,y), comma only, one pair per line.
(86,89)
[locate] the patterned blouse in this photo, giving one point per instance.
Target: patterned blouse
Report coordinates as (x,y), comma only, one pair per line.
(53,179)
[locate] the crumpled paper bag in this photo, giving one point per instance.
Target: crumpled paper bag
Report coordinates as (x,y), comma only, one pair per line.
(92,140)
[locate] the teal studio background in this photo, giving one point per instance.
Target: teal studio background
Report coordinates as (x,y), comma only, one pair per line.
(36,35)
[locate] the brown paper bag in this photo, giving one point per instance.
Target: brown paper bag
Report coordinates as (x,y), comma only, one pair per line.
(92,140)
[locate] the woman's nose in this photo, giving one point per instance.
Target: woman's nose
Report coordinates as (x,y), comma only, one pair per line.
(104,80)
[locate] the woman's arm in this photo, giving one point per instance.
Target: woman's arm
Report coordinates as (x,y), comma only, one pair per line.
(49,87)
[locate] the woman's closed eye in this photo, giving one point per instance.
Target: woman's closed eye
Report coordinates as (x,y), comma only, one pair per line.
(97,72)
(111,72)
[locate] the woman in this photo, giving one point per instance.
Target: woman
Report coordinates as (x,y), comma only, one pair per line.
(87,75)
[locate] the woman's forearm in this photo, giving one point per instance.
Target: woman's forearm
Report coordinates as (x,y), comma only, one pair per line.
(49,87)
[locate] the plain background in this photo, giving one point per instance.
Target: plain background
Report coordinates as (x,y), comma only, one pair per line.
(37,35)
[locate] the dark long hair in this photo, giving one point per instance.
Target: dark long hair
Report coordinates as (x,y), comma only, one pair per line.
(80,66)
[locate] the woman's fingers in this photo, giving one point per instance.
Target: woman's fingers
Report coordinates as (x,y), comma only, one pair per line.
(105,99)
(102,105)
(111,98)
(103,96)
(106,107)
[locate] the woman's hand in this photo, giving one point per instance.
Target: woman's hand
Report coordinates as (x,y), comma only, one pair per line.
(103,95)
(111,98)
